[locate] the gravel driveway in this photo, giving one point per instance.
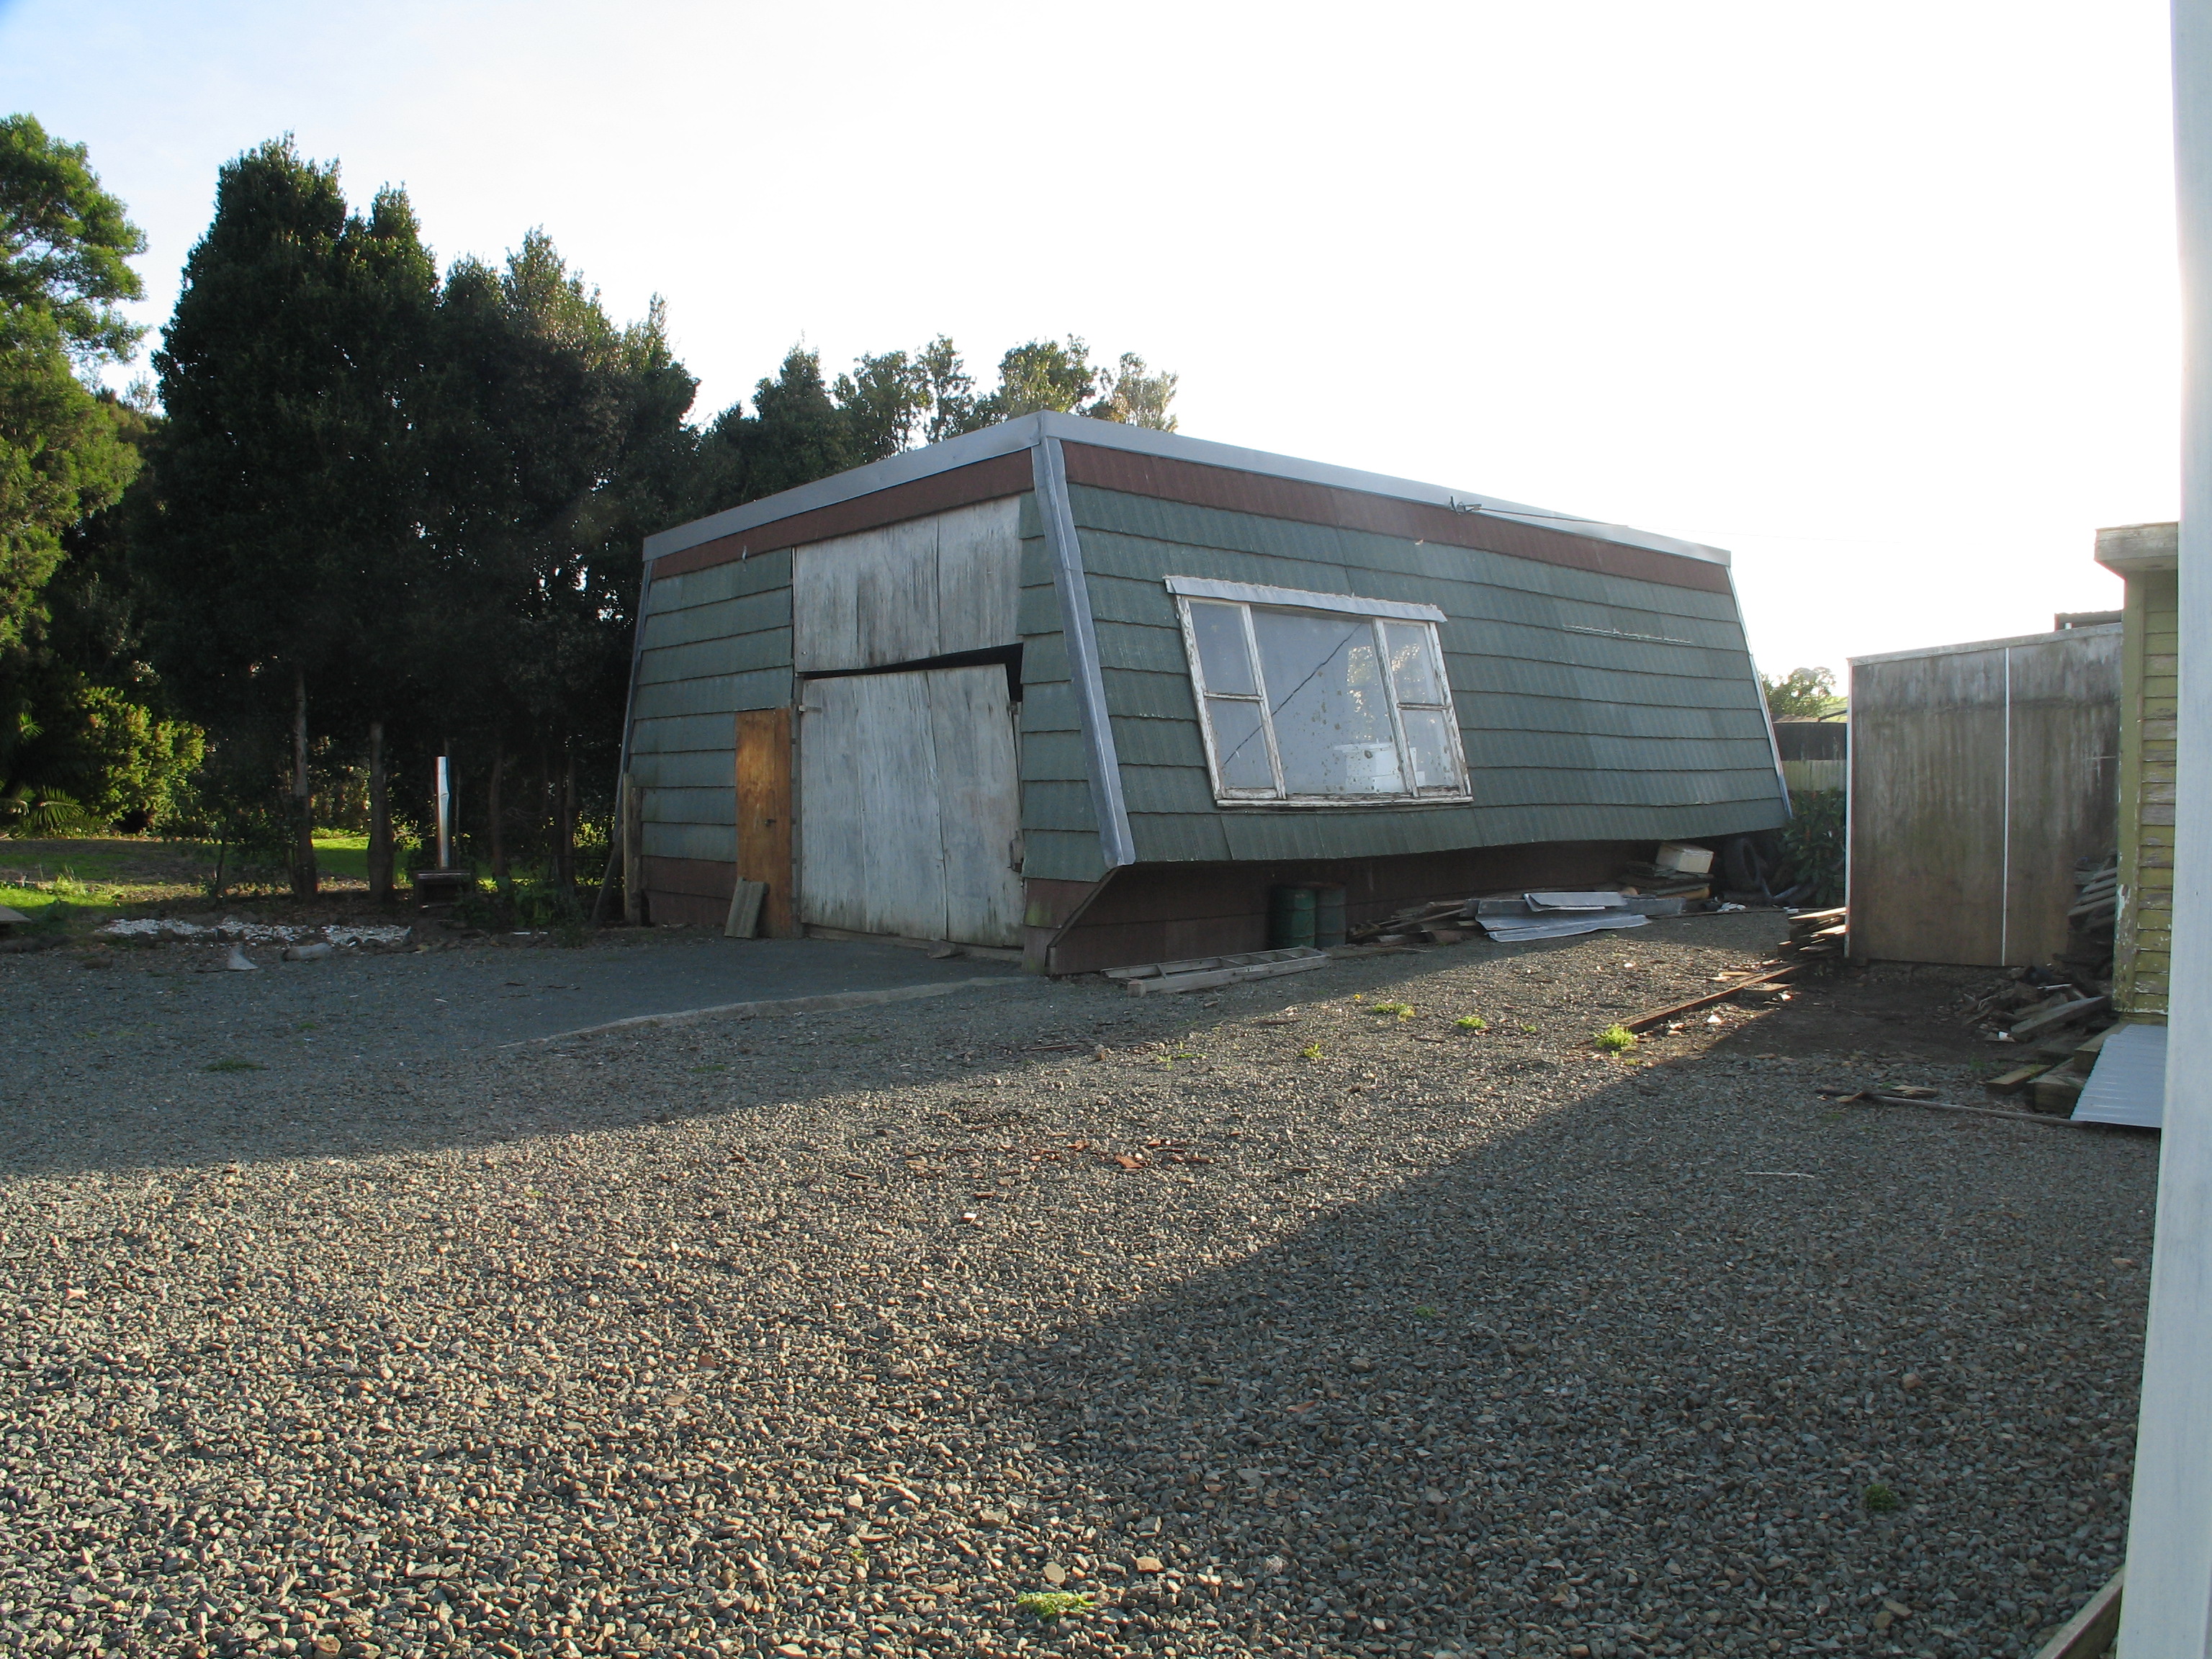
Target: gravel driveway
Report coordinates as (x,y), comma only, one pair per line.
(1269,1322)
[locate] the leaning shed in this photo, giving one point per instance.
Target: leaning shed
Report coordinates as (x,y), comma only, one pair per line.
(1093,691)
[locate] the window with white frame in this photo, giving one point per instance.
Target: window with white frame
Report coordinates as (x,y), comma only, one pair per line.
(1320,699)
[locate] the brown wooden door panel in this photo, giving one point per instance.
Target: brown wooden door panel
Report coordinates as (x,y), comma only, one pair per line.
(764,814)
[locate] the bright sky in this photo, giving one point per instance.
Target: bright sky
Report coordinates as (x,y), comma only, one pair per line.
(1880,296)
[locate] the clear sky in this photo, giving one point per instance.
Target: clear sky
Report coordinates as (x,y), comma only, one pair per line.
(1879,296)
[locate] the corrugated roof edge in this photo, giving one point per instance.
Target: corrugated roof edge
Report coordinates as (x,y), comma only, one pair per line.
(1029,429)
(2092,632)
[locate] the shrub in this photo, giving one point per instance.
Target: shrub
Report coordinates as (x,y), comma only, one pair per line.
(1616,1039)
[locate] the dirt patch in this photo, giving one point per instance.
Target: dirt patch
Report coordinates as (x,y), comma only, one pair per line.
(1897,1012)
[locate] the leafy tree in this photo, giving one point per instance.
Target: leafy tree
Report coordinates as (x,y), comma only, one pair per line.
(950,390)
(282,540)
(1040,376)
(1132,396)
(886,401)
(64,249)
(1803,694)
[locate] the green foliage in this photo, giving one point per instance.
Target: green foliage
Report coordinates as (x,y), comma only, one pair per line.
(1881,1500)
(1616,1039)
(1402,1010)
(1802,694)
(1812,846)
(1471,1023)
(64,249)
(1046,1605)
(1042,375)
(539,906)
(234,1064)
(46,815)
(64,243)
(1132,396)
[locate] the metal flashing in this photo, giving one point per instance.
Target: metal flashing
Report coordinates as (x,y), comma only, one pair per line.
(1115,843)
(1030,430)
(1299,599)
(2091,633)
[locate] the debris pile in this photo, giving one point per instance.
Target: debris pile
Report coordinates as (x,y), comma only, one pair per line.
(1818,932)
(231,930)
(2061,1024)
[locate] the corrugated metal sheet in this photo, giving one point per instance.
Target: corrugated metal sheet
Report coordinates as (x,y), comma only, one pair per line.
(1593,705)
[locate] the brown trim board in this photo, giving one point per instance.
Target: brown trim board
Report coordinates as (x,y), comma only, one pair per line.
(1199,485)
(963,486)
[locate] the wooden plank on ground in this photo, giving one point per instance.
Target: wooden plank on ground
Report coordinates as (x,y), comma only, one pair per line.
(1657,1015)
(745,910)
(1170,984)
(2093,1630)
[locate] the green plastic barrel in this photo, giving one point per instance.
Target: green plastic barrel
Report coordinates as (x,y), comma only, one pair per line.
(1329,916)
(1290,917)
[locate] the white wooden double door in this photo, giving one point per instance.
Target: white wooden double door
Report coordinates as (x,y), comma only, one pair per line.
(909,805)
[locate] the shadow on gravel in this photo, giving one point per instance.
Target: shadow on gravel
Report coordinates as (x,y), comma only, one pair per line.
(1596,1387)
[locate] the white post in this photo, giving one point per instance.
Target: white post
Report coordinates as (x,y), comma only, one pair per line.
(2166,1612)
(445,816)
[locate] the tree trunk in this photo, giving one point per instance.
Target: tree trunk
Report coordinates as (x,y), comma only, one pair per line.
(564,806)
(380,820)
(303,803)
(498,821)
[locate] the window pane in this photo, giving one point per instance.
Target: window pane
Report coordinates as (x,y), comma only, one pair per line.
(1238,748)
(1325,692)
(1433,765)
(1219,630)
(1412,665)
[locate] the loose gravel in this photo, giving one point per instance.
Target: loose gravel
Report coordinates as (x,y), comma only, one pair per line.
(1300,1318)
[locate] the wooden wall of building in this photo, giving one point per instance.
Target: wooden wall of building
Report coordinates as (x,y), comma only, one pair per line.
(2148,689)
(1979,774)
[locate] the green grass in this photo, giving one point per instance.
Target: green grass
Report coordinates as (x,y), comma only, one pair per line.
(1881,1500)
(234,1064)
(1616,1039)
(1471,1023)
(1402,1010)
(1045,1606)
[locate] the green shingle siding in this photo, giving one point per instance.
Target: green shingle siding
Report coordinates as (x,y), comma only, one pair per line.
(1570,734)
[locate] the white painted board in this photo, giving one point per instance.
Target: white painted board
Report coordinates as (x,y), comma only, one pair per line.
(2127,1084)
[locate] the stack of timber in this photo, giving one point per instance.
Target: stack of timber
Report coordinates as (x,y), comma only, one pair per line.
(2044,1015)
(2093,922)
(2051,1079)
(1818,932)
(1209,973)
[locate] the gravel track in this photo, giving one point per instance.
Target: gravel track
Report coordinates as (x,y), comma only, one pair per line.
(1332,1330)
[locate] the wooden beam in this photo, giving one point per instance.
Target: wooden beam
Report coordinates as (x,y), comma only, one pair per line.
(1657,1015)
(2089,1632)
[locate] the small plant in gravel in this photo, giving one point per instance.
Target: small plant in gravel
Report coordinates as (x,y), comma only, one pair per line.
(1881,1500)
(1402,1010)
(1423,1310)
(1471,1023)
(234,1064)
(1045,1606)
(1530,1030)
(1616,1039)
(1311,1051)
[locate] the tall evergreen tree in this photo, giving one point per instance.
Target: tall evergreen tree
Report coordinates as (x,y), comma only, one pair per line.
(557,443)
(283,539)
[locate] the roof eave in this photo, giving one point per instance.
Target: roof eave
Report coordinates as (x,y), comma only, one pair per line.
(1025,431)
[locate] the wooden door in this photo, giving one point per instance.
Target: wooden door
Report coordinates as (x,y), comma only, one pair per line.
(764,814)
(910,805)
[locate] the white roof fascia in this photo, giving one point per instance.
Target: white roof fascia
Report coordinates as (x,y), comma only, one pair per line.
(2095,630)
(1025,433)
